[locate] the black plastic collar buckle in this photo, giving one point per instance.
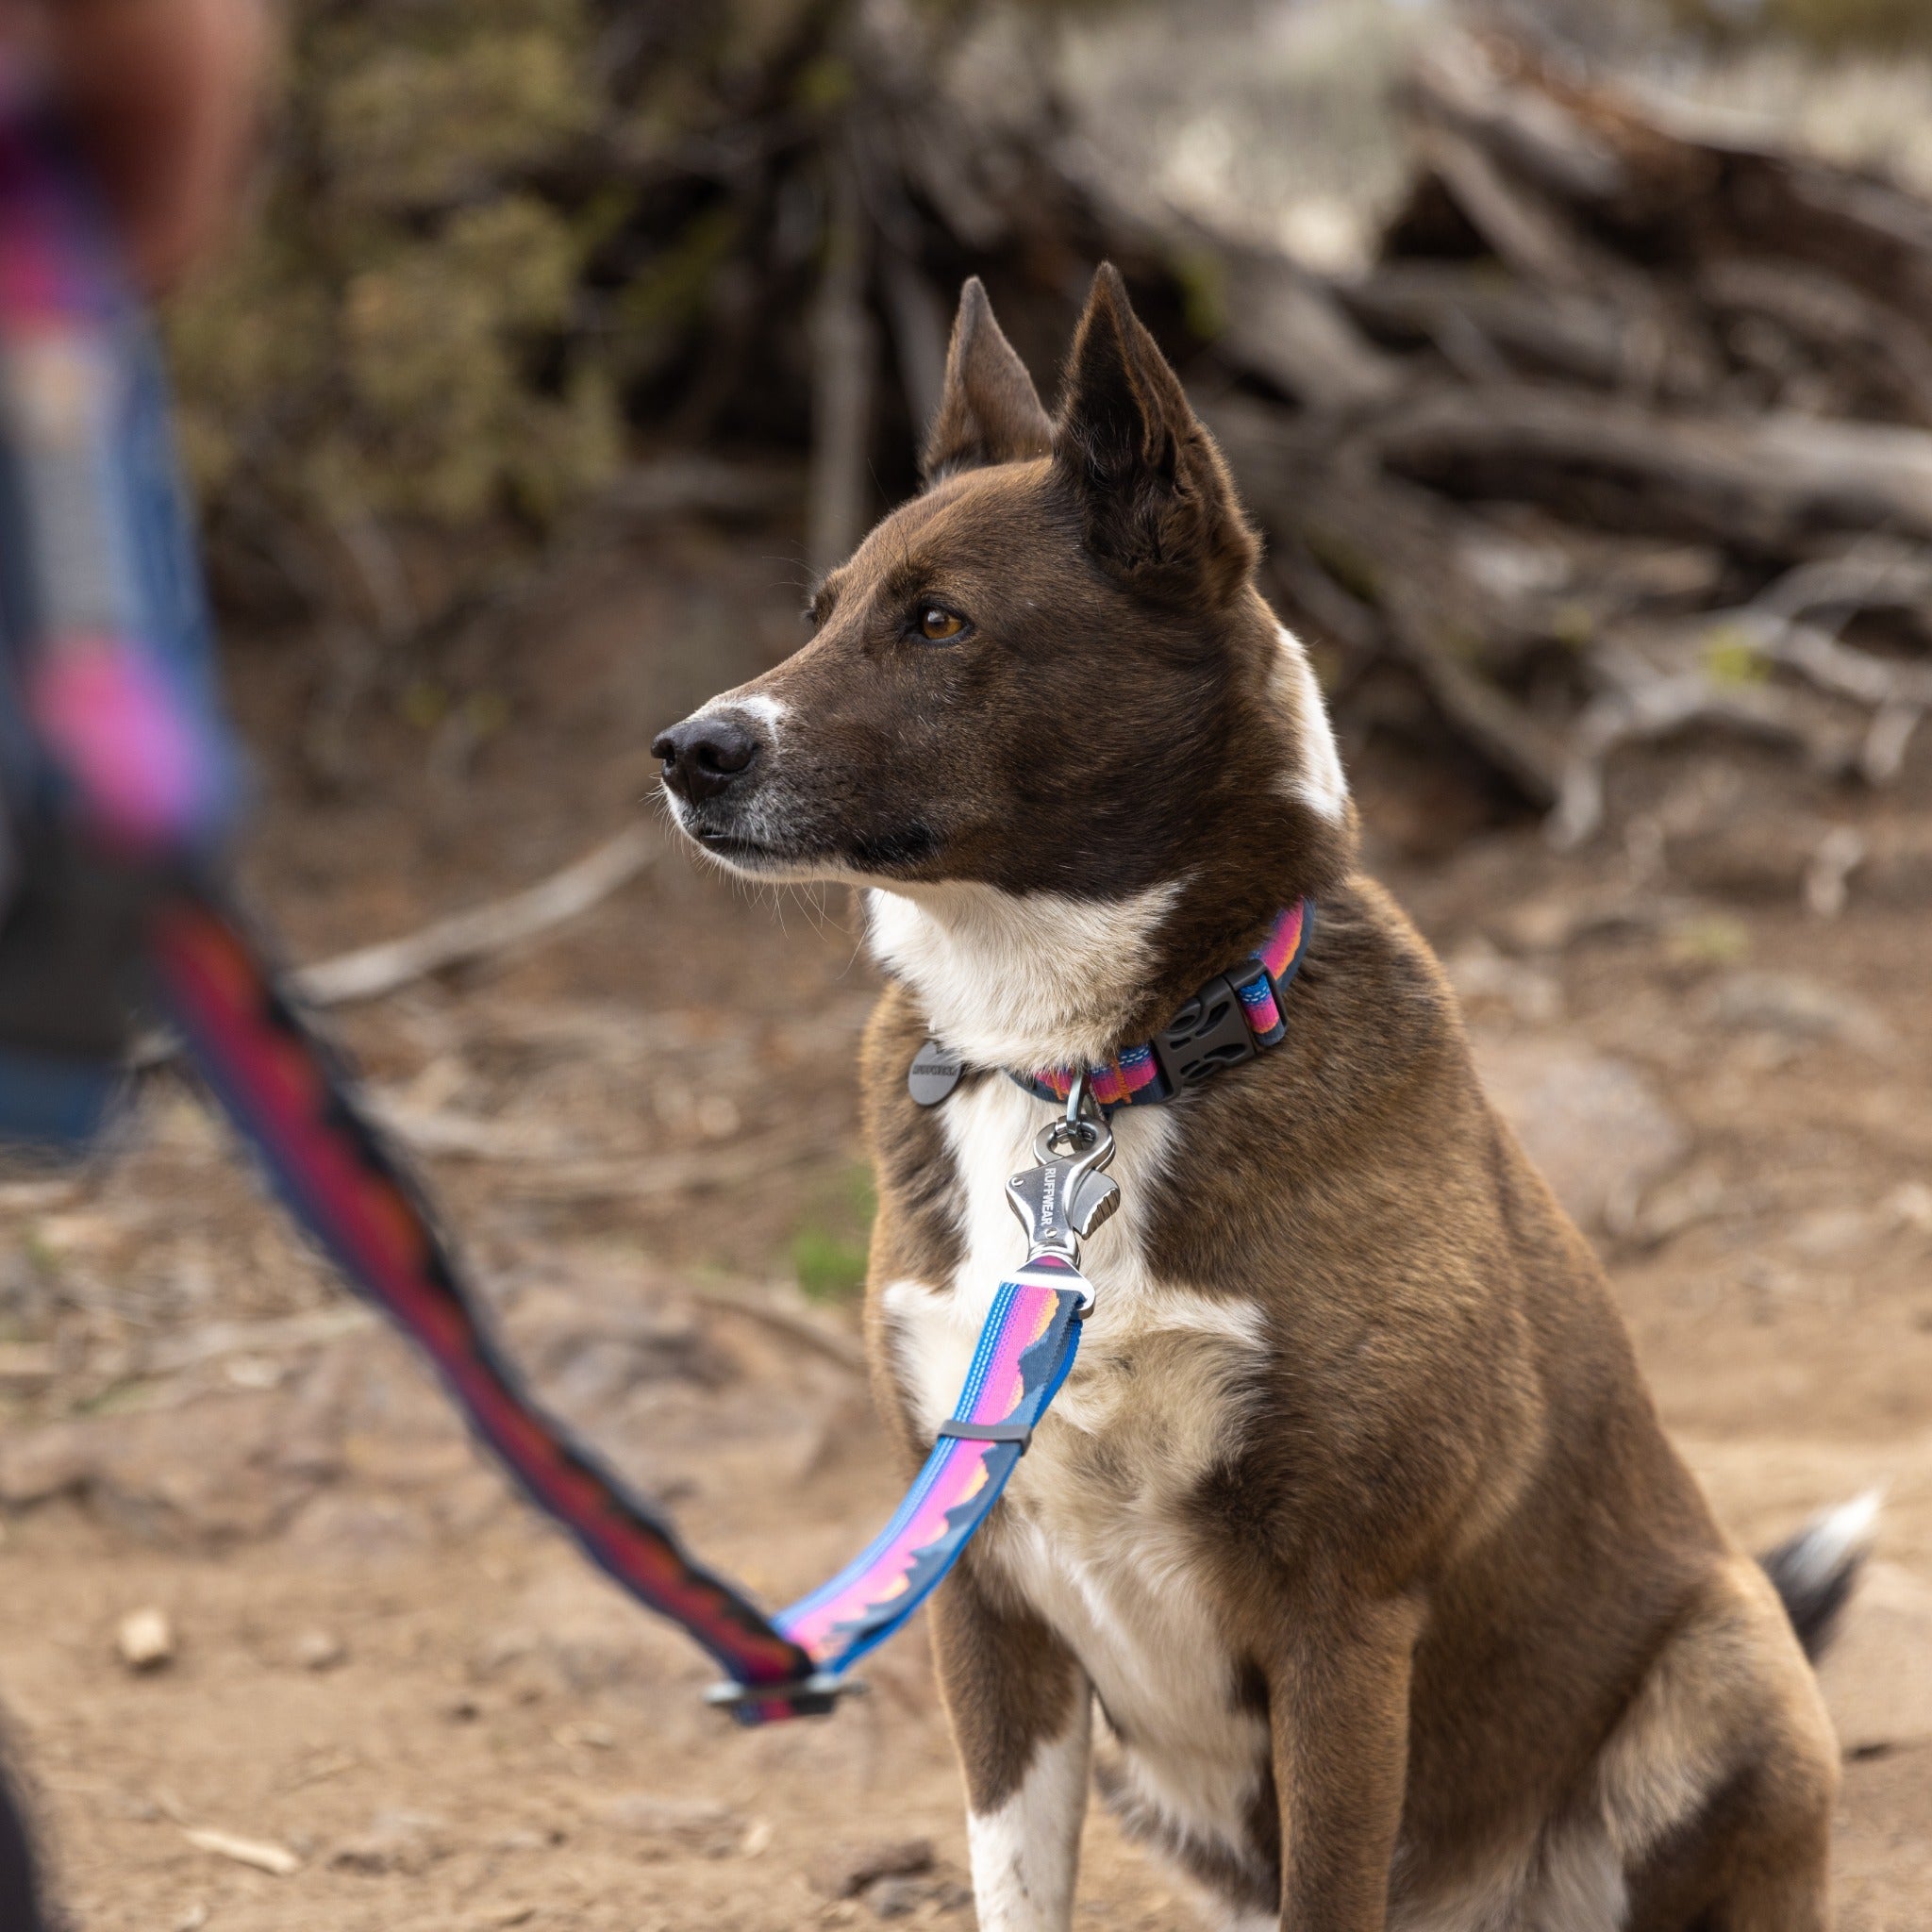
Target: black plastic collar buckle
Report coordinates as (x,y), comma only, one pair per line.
(816,1695)
(1208,1034)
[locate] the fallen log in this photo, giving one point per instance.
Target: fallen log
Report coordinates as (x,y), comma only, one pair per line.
(1550,332)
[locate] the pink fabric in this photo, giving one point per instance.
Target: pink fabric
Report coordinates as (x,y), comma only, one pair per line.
(112,722)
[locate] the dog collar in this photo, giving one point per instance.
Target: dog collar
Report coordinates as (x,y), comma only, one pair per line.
(1235,1016)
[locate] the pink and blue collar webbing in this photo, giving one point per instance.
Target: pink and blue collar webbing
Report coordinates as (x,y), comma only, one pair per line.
(1156,1070)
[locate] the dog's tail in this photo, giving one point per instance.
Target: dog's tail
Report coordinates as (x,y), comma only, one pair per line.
(1814,1570)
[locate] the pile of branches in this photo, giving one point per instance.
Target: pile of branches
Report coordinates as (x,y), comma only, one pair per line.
(1628,430)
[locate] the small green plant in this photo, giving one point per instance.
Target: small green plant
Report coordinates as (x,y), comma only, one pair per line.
(1715,940)
(1732,656)
(830,1267)
(831,1249)
(1203,276)
(1573,625)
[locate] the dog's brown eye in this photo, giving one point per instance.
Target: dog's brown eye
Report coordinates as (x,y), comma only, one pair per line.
(931,623)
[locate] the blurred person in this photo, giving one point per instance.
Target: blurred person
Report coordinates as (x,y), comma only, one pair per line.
(164,95)
(163,98)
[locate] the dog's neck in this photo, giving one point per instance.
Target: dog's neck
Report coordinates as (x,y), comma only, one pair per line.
(1041,980)
(1020,979)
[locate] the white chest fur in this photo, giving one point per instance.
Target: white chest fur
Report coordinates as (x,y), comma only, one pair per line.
(1093,1531)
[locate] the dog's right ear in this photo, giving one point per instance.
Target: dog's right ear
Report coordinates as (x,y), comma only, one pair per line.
(989,412)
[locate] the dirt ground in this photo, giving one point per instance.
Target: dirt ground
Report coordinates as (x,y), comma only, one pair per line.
(385,1671)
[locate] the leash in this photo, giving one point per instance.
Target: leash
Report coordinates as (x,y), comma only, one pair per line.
(119,787)
(1025,1351)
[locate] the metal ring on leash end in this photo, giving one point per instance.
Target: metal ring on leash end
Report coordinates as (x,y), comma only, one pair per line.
(1062,1139)
(1078,1130)
(814,1697)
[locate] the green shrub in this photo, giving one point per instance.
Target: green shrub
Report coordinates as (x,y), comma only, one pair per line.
(426,326)
(830,1267)
(394,336)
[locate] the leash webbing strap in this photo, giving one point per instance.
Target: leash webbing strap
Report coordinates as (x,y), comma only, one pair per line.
(1025,1352)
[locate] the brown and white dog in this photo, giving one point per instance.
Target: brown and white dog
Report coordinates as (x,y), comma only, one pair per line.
(1355,1519)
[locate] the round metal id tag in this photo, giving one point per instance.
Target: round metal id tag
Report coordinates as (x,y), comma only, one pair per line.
(933,1072)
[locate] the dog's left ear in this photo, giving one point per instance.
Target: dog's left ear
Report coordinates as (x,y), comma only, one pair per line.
(989,412)
(1161,507)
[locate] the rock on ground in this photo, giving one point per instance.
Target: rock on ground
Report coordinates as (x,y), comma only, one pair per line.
(1595,1127)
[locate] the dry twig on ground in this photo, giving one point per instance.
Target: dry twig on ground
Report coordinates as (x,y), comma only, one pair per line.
(483,932)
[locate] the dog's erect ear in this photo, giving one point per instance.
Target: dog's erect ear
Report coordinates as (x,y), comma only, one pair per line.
(1160,508)
(989,412)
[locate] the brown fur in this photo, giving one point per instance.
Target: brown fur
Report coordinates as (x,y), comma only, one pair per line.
(1494,1643)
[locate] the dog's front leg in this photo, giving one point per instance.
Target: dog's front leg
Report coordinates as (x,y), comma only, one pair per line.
(1338,1713)
(1020,1707)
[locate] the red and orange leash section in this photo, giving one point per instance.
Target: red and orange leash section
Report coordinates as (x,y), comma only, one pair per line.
(288,1095)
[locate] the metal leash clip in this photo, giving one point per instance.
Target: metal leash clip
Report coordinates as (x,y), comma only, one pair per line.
(1063,1198)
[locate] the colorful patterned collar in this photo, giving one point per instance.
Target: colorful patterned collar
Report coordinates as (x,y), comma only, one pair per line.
(1229,1021)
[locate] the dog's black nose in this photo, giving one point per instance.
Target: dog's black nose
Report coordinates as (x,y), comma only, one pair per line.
(704,757)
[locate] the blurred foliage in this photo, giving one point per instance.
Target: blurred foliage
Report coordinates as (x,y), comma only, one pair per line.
(1714,939)
(1835,23)
(394,336)
(830,1267)
(1843,23)
(487,228)
(1733,656)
